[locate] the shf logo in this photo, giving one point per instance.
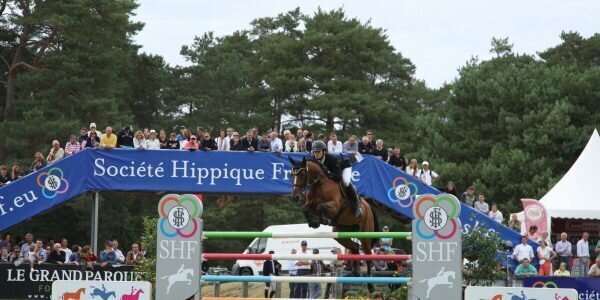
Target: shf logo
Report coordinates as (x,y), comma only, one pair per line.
(434,214)
(54,183)
(403,192)
(181,210)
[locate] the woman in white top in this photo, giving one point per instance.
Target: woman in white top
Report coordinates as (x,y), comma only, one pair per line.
(139,142)
(152,143)
(291,145)
(222,141)
(545,255)
(413,168)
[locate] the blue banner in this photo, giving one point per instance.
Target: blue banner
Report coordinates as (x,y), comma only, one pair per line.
(587,288)
(204,172)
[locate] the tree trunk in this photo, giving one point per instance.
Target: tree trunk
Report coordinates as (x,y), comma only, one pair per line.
(11,83)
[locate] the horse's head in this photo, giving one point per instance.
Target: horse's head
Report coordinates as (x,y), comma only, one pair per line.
(299,179)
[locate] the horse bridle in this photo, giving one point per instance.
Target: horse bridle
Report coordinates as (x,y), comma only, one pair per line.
(307,185)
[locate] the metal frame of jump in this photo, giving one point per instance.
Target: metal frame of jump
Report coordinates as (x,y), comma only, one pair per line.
(302,279)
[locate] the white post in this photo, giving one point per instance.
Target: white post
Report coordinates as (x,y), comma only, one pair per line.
(94,223)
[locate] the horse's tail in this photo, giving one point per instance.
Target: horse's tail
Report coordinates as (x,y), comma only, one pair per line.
(375,225)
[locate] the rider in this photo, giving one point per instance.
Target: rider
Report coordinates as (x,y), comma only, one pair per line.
(338,169)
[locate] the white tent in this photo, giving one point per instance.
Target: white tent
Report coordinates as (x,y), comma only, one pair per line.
(576,195)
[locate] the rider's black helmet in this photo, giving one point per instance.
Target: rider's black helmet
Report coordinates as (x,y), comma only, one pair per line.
(319,146)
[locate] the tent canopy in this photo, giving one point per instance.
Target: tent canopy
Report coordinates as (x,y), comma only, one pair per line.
(576,196)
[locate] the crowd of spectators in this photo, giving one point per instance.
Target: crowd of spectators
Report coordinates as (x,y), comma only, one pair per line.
(227,140)
(38,251)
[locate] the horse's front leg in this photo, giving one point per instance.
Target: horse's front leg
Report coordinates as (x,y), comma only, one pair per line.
(311,218)
(323,210)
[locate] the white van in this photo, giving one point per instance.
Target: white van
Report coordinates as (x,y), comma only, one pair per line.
(283,245)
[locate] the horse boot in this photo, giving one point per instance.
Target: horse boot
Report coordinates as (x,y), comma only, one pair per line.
(354,200)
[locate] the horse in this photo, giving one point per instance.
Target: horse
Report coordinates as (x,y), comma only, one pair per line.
(133,296)
(180,276)
(441,279)
(101,293)
(323,202)
(73,296)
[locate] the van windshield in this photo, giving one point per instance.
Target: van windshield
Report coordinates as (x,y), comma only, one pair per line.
(259,246)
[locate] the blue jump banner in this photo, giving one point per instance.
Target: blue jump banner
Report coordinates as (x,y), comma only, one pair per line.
(205,172)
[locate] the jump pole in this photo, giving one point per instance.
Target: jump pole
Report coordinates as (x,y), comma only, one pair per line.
(332,235)
(331,257)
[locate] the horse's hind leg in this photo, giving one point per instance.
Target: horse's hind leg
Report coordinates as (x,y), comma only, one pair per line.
(366,243)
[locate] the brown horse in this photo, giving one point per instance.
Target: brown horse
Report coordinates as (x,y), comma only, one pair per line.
(322,202)
(73,296)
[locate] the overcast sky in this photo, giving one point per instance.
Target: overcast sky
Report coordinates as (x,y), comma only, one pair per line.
(438,36)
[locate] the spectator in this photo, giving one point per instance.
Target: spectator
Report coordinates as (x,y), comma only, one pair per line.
(583,253)
(4,256)
(16,256)
(88,256)
(270,267)
(290,144)
(57,256)
(545,256)
(182,134)
(264,145)
(562,270)
(495,214)
(249,143)
(365,147)
(236,144)
(350,146)
(56,153)
(370,136)
(302,269)
(379,265)
(334,267)
(299,134)
(523,250)
(392,265)
(83,137)
(65,246)
(38,162)
(118,253)
(139,142)
(16,172)
(276,144)
(146,133)
(75,257)
(192,144)
(4,180)
(333,145)
(27,245)
(208,144)
(39,253)
(152,143)
(525,269)
(468,197)
(72,145)
(286,135)
(482,206)
(108,139)
(317,268)
(413,168)
(379,151)
(292,269)
(93,129)
(594,272)
(230,134)
(255,133)
(564,250)
(450,189)
(125,137)
(93,141)
(397,160)
(6,241)
(222,141)
(172,143)
(302,145)
(427,175)
(532,234)
(162,139)
(134,256)
(108,256)
(386,243)
(544,237)
(307,140)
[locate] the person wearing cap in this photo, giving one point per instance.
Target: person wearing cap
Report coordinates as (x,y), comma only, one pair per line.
(303,269)
(125,137)
(56,152)
(93,129)
(108,139)
(523,250)
(271,267)
(338,169)
(108,257)
(152,143)
(192,144)
(426,175)
(386,243)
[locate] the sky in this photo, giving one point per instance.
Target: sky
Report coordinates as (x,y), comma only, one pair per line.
(437,36)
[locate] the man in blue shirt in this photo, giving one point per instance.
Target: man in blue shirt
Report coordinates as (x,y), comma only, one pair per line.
(108,257)
(386,243)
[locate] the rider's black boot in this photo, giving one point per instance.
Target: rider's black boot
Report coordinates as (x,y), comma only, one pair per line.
(354,200)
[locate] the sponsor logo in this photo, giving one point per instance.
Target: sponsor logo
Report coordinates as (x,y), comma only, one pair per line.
(436,220)
(403,192)
(176,220)
(52,183)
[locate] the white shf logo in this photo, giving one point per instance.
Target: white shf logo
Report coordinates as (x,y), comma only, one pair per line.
(179,217)
(436,218)
(52,183)
(402,192)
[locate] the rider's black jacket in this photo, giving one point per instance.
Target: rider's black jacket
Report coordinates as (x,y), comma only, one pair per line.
(334,163)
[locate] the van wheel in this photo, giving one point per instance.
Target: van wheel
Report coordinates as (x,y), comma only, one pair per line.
(246,272)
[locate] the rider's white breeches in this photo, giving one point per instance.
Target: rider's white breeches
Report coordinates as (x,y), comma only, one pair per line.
(347,176)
